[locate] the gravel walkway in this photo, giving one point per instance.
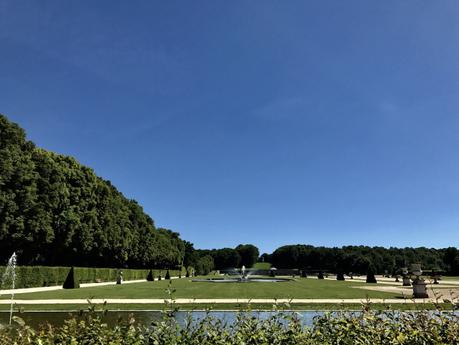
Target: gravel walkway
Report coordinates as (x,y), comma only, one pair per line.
(59,287)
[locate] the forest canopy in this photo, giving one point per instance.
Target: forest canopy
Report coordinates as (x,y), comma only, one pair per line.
(55,211)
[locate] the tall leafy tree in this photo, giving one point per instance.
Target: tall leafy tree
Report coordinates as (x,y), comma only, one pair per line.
(55,211)
(249,254)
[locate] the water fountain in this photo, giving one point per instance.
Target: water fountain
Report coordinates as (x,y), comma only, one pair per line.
(9,276)
(242,276)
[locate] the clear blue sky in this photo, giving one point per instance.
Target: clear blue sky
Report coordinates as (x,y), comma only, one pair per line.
(265,122)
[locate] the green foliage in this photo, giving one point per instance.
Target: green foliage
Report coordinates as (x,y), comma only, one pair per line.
(71,282)
(221,258)
(248,253)
(204,265)
(367,327)
(357,259)
(55,211)
(37,276)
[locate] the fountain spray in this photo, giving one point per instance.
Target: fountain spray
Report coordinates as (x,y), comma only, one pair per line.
(10,273)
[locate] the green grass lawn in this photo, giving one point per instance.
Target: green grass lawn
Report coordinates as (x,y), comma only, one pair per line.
(449,278)
(262,265)
(184,288)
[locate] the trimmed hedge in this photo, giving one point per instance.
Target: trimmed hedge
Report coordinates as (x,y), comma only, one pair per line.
(71,282)
(37,276)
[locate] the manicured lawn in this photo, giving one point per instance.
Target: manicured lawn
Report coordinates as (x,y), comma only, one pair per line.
(262,265)
(184,288)
(449,278)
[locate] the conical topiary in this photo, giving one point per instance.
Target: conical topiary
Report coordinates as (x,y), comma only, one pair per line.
(340,276)
(167,276)
(71,282)
(150,276)
(371,275)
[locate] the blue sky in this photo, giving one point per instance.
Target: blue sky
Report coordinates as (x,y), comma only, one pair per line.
(266,122)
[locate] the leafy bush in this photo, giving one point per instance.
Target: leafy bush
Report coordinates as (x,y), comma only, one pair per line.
(366,327)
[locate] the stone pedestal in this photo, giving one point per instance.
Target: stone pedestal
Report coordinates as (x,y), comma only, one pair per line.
(119,278)
(420,289)
(406,281)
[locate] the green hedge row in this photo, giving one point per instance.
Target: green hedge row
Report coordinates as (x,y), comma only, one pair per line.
(368,327)
(36,276)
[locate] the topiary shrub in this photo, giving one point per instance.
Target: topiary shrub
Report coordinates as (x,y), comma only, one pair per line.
(150,276)
(71,282)
(371,279)
(340,276)
(167,276)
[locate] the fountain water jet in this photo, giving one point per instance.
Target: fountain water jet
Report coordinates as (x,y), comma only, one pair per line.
(10,274)
(243,276)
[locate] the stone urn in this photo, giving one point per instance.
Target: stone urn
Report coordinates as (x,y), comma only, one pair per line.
(420,289)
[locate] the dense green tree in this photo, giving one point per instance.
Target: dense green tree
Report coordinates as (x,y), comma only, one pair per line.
(55,211)
(204,265)
(357,259)
(248,253)
(223,258)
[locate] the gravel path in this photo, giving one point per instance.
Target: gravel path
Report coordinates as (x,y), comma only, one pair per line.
(59,287)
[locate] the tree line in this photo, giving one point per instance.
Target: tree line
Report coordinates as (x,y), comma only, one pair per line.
(359,259)
(207,260)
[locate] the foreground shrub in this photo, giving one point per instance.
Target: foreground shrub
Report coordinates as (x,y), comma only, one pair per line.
(366,327)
